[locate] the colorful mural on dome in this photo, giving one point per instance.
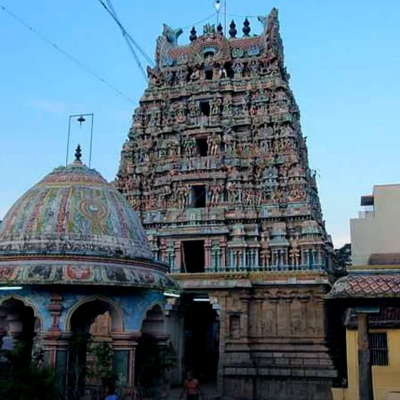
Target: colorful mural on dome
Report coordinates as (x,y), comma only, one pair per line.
(74,210)
(74,259)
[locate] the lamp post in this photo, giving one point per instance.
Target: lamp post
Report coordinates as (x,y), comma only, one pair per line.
(217,6)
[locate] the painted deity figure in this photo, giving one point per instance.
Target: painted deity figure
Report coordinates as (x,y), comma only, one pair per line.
(189,145)
(294,252)
(222,74)
(182,76)
(195,75)
(227,107)
(265,253)
(215,106)
(234,192)
(181,194)
(193,109)
(215,193)
(237,69)
(213,143)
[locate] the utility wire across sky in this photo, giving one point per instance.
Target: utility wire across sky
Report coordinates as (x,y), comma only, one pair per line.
(66,54)
(131,43)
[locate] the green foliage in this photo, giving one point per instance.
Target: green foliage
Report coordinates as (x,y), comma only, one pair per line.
(76,368)
(102,369)
(153,361)
(343,257)
(24,380)
(81,346)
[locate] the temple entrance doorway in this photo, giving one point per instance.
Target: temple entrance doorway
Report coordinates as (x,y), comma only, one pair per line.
(154,356)
(193,258)
(201,338)
(91,354)
(19,329)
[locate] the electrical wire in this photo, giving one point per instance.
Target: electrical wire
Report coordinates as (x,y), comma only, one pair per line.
(201,21)
(65,53)
(242,16)
(126,33)
(128,38)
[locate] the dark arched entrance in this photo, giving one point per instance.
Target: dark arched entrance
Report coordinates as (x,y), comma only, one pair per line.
(19,329)
(201,338)
(91,354)
(154,356)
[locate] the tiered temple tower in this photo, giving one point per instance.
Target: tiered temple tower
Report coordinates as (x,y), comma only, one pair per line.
(217,167)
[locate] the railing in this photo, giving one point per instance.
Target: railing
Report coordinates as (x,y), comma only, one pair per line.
(261,268)
(366,214)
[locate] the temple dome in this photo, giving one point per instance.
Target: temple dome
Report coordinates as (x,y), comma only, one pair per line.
(73,211)
(75,228)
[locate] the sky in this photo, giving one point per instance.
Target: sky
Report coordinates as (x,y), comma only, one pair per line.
(343,57)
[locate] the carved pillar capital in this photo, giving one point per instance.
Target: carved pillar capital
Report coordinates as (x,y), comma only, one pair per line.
(172,305)
(55,309)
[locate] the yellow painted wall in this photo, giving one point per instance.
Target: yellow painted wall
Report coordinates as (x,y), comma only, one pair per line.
(386,379)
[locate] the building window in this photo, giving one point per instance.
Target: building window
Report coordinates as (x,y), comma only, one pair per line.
(202,147)
(209,74)
(193,258)
(205,108)
(379,349)
(198,196)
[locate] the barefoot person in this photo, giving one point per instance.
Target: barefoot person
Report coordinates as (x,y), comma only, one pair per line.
(191,388)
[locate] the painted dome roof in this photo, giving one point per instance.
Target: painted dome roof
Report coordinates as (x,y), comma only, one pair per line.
(75,228)
(73,211)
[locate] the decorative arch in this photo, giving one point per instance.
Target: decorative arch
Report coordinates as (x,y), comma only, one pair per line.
(153,321)
(27,303)
(109,305)
(153,304)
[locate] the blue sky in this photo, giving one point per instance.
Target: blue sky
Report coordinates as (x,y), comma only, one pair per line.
(343,57)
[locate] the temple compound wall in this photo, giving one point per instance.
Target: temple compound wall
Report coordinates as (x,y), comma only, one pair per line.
(217,168)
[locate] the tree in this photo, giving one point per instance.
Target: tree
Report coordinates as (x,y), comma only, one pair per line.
(82,346)
(153,361)
(343,256)
(24,379)
(102,368)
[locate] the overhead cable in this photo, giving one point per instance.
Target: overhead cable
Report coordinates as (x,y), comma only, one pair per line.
(128,38)
(201,21)
(128,35)
(66,54)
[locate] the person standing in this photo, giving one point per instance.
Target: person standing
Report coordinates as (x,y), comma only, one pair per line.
(191,388)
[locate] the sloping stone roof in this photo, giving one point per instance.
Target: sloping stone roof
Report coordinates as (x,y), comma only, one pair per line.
(367,286)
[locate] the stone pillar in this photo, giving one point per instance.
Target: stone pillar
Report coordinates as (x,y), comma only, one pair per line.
(178,255)
(3,326)
(223,255)
(174,328)
(207,255)
(124,347)
(364,359)
(56,352)
(55,309)
(50,348)
(223,332)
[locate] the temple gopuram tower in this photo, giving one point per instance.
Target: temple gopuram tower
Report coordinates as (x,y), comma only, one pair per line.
(217,168)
